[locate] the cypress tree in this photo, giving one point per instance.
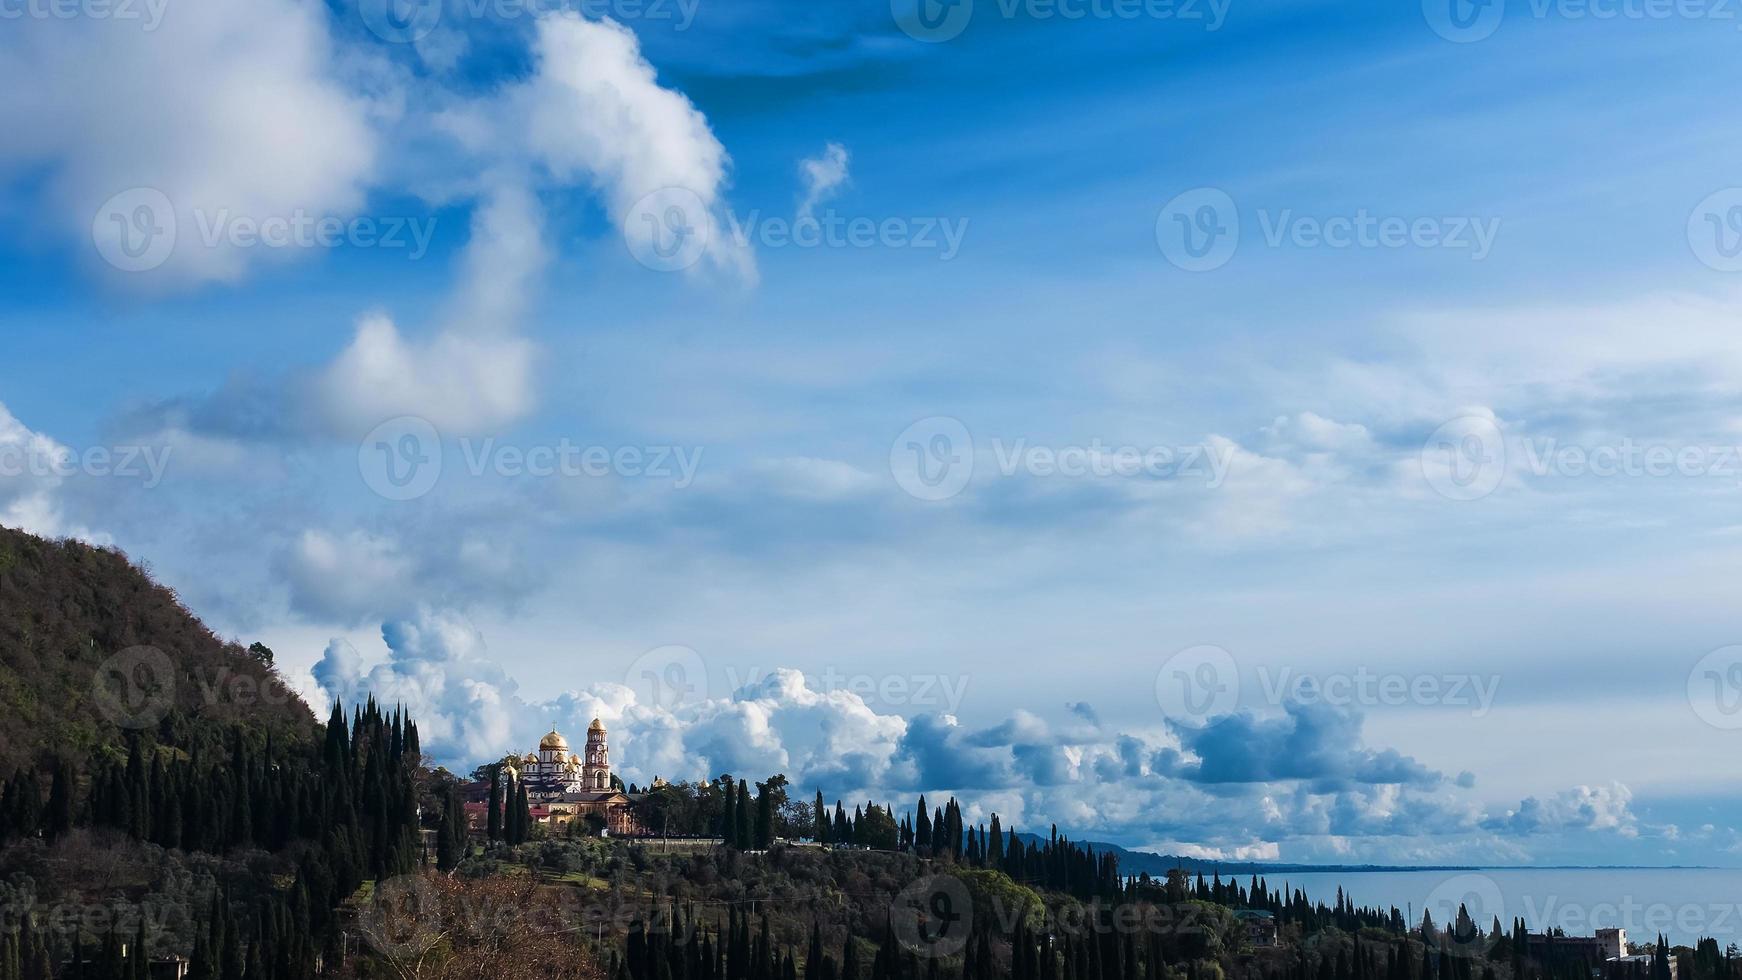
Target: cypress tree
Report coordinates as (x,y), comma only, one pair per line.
(495,814)
(450,833)
(60,802)
(746,825)
(138,956)
(729,814)
(764,818)
(922,837)
(522,813)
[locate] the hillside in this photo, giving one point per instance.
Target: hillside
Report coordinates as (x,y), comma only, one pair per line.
(91,647)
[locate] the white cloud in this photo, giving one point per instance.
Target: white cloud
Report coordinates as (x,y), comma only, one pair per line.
(814,479)
(474,375)
(346,576)
(438,668)
(33,476)
(1344,799)
(460,384)
(357,576)
(214,108)
(823,176)
(1309,432)
(1579,808)
(594,110)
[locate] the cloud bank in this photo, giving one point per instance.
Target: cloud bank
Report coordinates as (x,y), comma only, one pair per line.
(1298,786)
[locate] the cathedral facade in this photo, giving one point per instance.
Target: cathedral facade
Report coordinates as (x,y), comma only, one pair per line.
(562,786)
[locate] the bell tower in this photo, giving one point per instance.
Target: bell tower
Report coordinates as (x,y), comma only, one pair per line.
(596,764)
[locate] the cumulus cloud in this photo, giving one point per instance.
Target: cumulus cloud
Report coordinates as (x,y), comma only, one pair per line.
(1578,808)
(823,176)
(347,576)
(591,114)
(595,111)
(438,667)
(461,384)
(1316,742)
(355,576)
(211,108)
(34,471)
(1301,786)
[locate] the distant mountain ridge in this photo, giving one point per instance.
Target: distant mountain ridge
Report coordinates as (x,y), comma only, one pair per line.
(1158,865)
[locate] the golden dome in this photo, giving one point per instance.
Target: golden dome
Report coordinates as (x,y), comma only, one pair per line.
(553,741)
(596,726)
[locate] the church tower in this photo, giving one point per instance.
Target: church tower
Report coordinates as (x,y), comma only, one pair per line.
(596,766)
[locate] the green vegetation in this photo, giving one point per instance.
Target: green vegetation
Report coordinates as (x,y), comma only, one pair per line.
(206,821)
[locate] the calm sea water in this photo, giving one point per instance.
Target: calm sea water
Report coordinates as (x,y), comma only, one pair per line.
(1683,904)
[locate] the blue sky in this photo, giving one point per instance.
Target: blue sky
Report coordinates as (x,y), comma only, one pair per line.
(1400,528)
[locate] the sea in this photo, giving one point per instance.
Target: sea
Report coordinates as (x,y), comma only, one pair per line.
(1682,904)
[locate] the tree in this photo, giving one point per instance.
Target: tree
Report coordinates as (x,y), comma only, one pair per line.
(495,814)
(877,829)
(746,828)
(60,802)
(522,814)
(729,812)
(451,833)
(765,810)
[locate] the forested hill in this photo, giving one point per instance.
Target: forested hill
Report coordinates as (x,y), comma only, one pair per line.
(91,649)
